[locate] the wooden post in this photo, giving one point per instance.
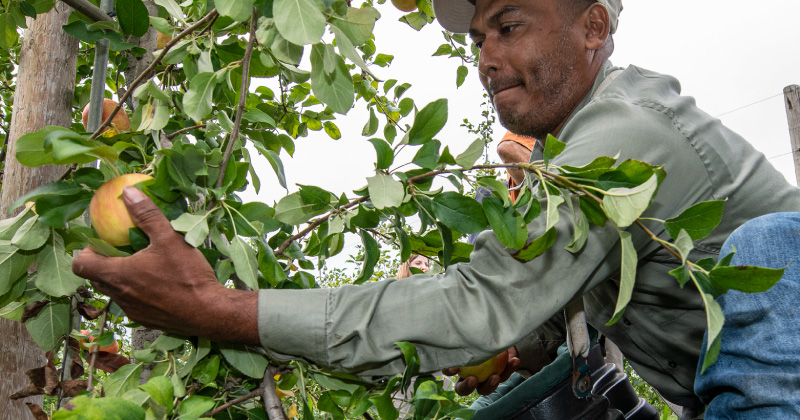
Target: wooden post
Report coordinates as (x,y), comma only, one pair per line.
(791,95)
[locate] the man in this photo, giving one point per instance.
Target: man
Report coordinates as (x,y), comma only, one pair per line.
(544,64)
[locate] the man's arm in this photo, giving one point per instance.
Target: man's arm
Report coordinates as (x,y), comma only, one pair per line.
(169,285)
(513,152)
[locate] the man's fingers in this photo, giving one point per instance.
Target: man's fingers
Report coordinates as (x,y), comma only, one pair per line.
(465,387)
(146,215)
(450,371)
(88,264)
(489,385)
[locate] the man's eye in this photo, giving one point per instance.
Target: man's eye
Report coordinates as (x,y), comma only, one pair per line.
(479,44)
(507,28)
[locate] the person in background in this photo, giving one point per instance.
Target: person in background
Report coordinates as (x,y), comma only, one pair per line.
(414,261)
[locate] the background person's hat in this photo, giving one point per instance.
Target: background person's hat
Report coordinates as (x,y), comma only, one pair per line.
(455,15)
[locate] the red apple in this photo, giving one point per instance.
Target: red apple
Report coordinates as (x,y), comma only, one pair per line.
(108,213)
(119,123)
(482,371)
(111,348)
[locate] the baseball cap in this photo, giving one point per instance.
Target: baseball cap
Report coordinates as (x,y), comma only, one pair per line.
(455,15)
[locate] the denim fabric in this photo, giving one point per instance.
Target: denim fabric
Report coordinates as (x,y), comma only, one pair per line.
(757,375)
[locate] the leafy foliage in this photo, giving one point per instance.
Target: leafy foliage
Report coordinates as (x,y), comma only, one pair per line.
(197,127)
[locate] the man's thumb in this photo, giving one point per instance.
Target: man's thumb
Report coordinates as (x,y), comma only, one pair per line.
(145,214)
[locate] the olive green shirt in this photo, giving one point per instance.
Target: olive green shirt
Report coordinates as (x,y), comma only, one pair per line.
(473,311)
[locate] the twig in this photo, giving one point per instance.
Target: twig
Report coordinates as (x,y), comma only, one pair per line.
(93,354)
(316,223)
(174,134)
(89,10)
(242,98)
(223,407)
(150,68)
(271,401)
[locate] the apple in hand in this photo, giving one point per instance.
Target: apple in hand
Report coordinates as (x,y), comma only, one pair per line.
(482,371)
(111,348)
(108,213)
(119,123)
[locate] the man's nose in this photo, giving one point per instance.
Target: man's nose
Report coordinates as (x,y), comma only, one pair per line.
(490,60)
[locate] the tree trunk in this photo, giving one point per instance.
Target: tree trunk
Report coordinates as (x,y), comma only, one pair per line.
(44,92)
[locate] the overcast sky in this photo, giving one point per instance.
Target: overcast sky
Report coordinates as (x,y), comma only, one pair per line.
(727,54)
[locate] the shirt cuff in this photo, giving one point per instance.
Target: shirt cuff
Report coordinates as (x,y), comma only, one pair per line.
(291,323)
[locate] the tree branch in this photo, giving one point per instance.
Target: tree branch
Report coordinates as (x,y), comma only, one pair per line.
(89,10)
(248,53)
(316,223)
(271,401)
(93,354)
(174,134)
(149,69)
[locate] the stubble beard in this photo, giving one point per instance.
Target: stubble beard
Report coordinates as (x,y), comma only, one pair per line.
(553,75)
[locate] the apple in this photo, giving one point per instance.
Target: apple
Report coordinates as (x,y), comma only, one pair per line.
(482,371)
(405,5)
(162,40)
(108,213)
(111,348)
(119,123)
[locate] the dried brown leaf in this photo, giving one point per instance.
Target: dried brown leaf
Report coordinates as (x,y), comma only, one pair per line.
(88,311)
(38,413)
(73,387)
(36,377)
(110,362)
(28,391)
(33,309)
(84,292)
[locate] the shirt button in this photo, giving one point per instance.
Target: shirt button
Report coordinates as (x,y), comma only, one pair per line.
(673,364)
(626,322)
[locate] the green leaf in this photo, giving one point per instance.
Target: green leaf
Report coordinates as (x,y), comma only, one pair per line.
(428,122)
(195,406)
(172,8)
(56,210)
(247,361)
(371,254)
(55,270)
(332,130)
(714,321)
(238,10)
(447,244)
(31,235)
(168,342)
(384,402)
(107,408)
(745,278)
(624,205)
(334,89)
(384,153)
(347,49)
(269,266)
(627,276)
(580,231)
(160,390)
(197,100)
(506,223)
(371,127)
(244,261)
(698,220)
(194,226)
(684,245)
(428,155)
(30,147)
(552,148)
(385,191)
(358,24)
(55,188)
(327,404)
(412,363)
(206,371)
(13,265)
(50,325)
(468,158)
(276,163)
(292,210)
(460,213)
(133,17)
(8,31)
(257,115)
(537,247)
(299,21)
(681,274)
(461,75)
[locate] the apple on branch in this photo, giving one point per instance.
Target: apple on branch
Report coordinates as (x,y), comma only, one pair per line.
(107,211)
(119,123)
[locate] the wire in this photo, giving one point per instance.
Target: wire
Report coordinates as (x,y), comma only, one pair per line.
(781,155)
(748,105)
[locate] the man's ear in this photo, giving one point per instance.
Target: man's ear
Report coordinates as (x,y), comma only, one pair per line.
(598,25)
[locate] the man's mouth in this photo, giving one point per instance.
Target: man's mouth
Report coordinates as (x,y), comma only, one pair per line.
(498,86)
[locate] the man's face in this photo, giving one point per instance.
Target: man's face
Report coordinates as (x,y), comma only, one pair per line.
(533,64)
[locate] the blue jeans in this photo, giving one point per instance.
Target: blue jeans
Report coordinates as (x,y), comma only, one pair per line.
(757,375)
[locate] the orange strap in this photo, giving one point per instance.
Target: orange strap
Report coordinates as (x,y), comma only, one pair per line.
(526,142)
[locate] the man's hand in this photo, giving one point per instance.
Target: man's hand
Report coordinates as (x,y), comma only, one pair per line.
(465,387)
(169,285)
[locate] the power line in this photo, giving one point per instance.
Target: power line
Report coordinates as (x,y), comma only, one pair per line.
(748,105)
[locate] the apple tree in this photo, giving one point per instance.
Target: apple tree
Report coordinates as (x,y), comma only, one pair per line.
(204,118)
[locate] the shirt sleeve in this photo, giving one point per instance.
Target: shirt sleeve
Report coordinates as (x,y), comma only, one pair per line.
(473,311)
